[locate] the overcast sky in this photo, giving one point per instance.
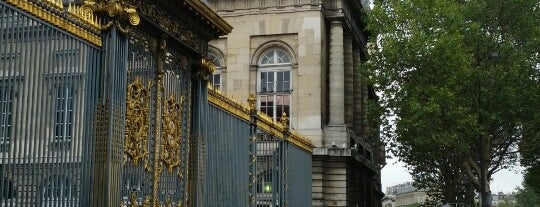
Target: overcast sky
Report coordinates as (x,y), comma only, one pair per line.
(504,181)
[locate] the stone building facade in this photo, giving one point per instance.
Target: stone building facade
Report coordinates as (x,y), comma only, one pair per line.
(302,58)
(405,194)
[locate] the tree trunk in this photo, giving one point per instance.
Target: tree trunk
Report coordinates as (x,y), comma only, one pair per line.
(485,190)
(486,199)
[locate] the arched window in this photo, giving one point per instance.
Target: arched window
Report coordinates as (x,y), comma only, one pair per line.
(274,83)
(215,81)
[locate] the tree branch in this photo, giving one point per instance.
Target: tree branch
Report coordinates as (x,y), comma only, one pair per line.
(467,167)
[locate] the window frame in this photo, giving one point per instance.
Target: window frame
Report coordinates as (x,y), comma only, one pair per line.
(68,78)
(65,107)
(56,81)
(275,68)
(215,58)
(6,109)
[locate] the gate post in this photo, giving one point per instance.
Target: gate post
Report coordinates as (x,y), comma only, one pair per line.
(284,120)
(111,122)
(252,100)
(111,115)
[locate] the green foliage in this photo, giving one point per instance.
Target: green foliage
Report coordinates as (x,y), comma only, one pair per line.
(532,178)
(527,197)
(530,157)
(507,203)
(453,73)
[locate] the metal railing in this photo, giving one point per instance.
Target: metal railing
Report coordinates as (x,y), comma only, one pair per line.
(272,164)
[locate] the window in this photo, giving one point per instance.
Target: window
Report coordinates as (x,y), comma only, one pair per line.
(8,88)
(64,84)
(274,83)
(215,81)
(6,102)
(64,112)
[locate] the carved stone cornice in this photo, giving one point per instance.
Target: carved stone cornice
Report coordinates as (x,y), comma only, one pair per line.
(210,16)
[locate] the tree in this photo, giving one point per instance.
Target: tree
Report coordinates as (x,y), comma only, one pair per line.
(527,197)
(530,157)
(459,84)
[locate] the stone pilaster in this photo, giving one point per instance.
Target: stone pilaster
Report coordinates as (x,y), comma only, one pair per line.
(335,182)
(317,182)
(357,85)
(337,75)
(349,86)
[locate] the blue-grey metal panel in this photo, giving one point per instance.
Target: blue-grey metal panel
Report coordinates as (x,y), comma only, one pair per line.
(227,154)
(298,176)
(47,100)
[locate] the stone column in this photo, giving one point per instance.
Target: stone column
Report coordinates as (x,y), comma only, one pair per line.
(349,72)
(337,75)
(357,82)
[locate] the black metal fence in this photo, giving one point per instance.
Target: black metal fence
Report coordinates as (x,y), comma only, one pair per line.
(115,118)
(250,160)
(46,82)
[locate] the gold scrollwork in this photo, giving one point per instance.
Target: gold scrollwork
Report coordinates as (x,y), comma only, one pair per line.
(284,120)
(52,11)
(176,28)
(172,132)
(252,101)
(207,68)
(137,122)
(114,9)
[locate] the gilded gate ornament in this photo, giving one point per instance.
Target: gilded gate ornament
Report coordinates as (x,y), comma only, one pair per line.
(137,122)
(206,68)
(172,132)
(114,9)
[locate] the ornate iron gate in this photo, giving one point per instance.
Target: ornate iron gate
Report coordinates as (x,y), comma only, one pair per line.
(94,113)
(156,145)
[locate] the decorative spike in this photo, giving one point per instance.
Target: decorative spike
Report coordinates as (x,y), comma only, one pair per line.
(94,20)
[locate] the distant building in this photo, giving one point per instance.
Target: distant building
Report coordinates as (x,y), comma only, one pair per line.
(503,198)
(404,194)
(388,200)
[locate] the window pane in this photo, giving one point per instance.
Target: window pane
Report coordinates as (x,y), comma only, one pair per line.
(268,58)
(286,75)
(279,86)
(6,99)
(64,112)
(282,57)
(215,81)
(266,104)
(282,105)
(270,84)
(280,76)
(214,59)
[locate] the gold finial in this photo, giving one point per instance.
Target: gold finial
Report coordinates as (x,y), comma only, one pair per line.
(251,101)
(112,9)
(284,120)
